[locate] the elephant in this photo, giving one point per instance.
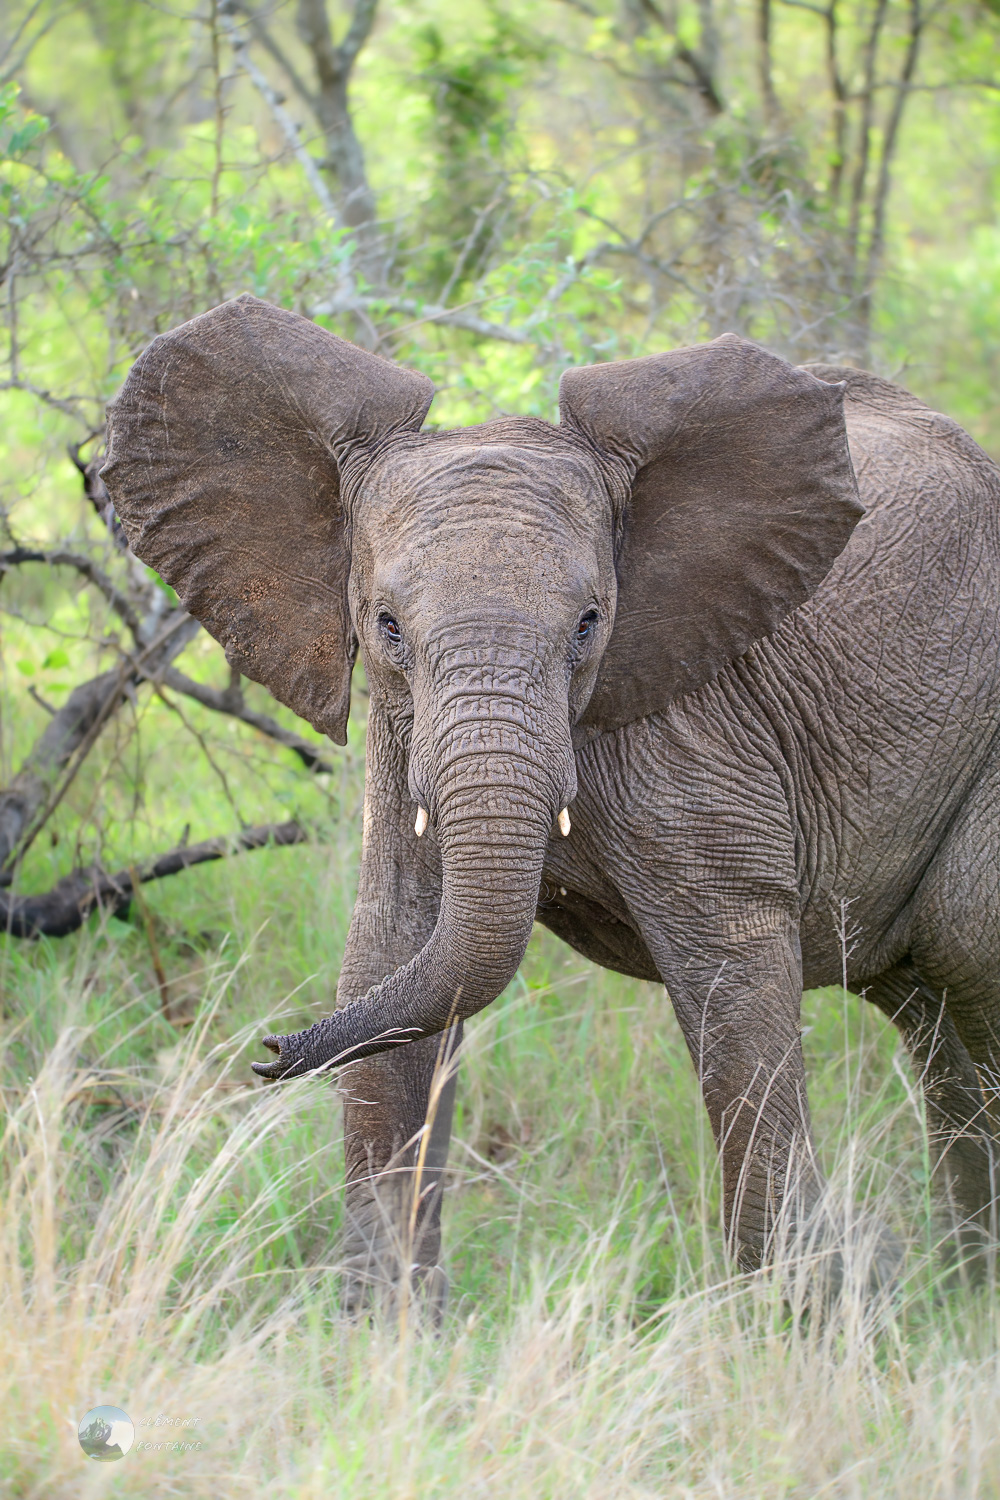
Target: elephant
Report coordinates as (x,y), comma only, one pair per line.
(676,676)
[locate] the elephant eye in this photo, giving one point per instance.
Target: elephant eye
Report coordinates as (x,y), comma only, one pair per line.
(586,625)
(390,629)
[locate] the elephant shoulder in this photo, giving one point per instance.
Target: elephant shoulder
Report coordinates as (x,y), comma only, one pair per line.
(903,449)
(871,392)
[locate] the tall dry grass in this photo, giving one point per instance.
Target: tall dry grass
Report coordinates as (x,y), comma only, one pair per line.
(169,1239)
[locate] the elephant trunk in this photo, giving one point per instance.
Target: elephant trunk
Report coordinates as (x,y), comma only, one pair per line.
(493,808)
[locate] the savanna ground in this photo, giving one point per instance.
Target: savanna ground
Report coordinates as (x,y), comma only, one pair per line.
(489,191)
(170,1239)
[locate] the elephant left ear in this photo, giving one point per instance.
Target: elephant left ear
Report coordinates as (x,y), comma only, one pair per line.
(742,495)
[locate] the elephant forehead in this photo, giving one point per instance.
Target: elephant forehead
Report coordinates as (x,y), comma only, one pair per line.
(445,524)
(449,479)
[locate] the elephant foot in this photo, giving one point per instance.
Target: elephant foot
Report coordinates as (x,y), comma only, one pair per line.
(387,1274)
(829,1261)
(420,1291)
(837,1263)
(969,1252)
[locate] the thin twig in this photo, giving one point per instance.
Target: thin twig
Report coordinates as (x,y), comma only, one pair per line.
(233,704)
(103,695)
(65,404)
(59,558)
(290,128)
(467,248)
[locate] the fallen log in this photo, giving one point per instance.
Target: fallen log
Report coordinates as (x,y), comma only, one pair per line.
(63,909)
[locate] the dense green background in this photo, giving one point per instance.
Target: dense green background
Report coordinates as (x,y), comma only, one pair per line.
(553,186)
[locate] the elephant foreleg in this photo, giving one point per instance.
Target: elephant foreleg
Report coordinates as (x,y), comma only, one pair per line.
(398,1105)
(738,1004)
(397,1125)
(739,1013)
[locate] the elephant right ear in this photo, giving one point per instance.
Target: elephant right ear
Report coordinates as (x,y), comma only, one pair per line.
(225,450)
(741,497)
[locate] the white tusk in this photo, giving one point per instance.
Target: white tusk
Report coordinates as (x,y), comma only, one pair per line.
(563,821)
(421,822)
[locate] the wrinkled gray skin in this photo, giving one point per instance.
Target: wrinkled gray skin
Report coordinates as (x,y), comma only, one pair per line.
(835,742)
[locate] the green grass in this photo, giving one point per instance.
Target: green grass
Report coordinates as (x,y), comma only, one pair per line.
(169,1241)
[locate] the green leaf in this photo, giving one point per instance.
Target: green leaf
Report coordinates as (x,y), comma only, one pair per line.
(25,667)
(56,658)
(29,131)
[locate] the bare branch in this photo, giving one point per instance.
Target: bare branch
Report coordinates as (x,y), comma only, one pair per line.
(467,249)
(427,312)
(12,65)
(839,91)
(26,21)
(42,702)
(270,46)
(290,128)
(703,80)
(231,703)
(88,569)
(864,135)
(699,65)
(344,155)
(358,32)
(770,98)
(66,404)
(96,490)
(35,792)
(67,906)
(903,89)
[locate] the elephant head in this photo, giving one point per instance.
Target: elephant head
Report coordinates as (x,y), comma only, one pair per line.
(513,587)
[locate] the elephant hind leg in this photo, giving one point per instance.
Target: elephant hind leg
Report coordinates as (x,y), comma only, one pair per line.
(964,1148)
(954,945)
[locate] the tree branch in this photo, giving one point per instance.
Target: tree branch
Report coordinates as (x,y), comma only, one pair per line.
(231,703)
(864,138)
(703,79)
(290,128)
(262,35)
(344,156)
(11,65)
(69,903)
(427,312)
(768,95)
(33,795)
(839,91)
(88,569)
(903,88)
(358,32)
(96,490)
(66,404)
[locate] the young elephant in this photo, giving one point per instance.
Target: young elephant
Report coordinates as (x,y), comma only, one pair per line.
(671,613)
